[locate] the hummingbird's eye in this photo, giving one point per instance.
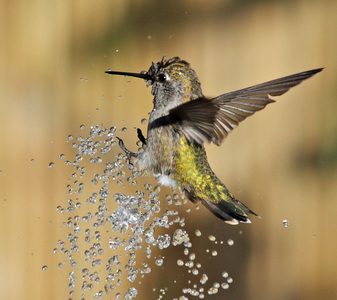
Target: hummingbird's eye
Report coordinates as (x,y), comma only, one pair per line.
(162,77)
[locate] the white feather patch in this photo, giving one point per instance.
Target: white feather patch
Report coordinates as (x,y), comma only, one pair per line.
(232,222)
(166,180)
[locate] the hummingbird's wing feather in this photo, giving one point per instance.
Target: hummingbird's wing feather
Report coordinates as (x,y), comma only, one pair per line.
(203,120)
(194,118)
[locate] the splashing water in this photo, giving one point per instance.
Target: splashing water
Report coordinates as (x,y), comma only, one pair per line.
(111,234)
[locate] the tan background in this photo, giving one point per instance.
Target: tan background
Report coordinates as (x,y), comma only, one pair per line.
(282,162)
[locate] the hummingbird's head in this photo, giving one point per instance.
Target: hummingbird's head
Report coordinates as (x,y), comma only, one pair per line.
(174,77)
(171,80)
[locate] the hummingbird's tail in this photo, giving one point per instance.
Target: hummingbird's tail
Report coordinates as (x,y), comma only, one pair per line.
(232,212)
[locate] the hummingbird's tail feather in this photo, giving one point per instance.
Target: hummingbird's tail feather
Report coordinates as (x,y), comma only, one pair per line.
(231,213)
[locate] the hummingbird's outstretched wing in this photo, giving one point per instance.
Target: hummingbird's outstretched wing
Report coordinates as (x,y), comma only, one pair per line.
(204,120)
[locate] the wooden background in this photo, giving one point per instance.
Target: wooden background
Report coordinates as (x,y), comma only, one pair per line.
(282,162)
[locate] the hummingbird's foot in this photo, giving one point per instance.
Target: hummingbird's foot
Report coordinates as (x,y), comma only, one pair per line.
(140,136)
(129,154)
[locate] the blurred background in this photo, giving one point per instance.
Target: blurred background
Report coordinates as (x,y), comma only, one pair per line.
(282,162)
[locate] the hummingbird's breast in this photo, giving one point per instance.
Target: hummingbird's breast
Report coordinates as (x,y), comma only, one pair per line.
(161,147)
(161,144)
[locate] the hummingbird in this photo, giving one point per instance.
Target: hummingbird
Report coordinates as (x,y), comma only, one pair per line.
(183,120)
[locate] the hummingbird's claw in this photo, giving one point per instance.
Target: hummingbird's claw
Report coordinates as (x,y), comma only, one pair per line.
(141,136)
(129,154)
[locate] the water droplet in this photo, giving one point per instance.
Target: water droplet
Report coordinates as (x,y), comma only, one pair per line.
(180,262)
(204,278)
(224,274)
(51,165)
(180,236)
(60,209)
(216,285)
(163,241)
(197,232)
(214,253)
(211,238)
(82,127)
(230,242)
(212,290)
(225,285)
(192,256)
(285,223)
(195,271)
(124,129)
(159,261)
(131,293)
(143,121)
(44,268)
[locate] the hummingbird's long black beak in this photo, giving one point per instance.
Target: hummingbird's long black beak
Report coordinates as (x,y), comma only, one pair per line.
(145,76)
